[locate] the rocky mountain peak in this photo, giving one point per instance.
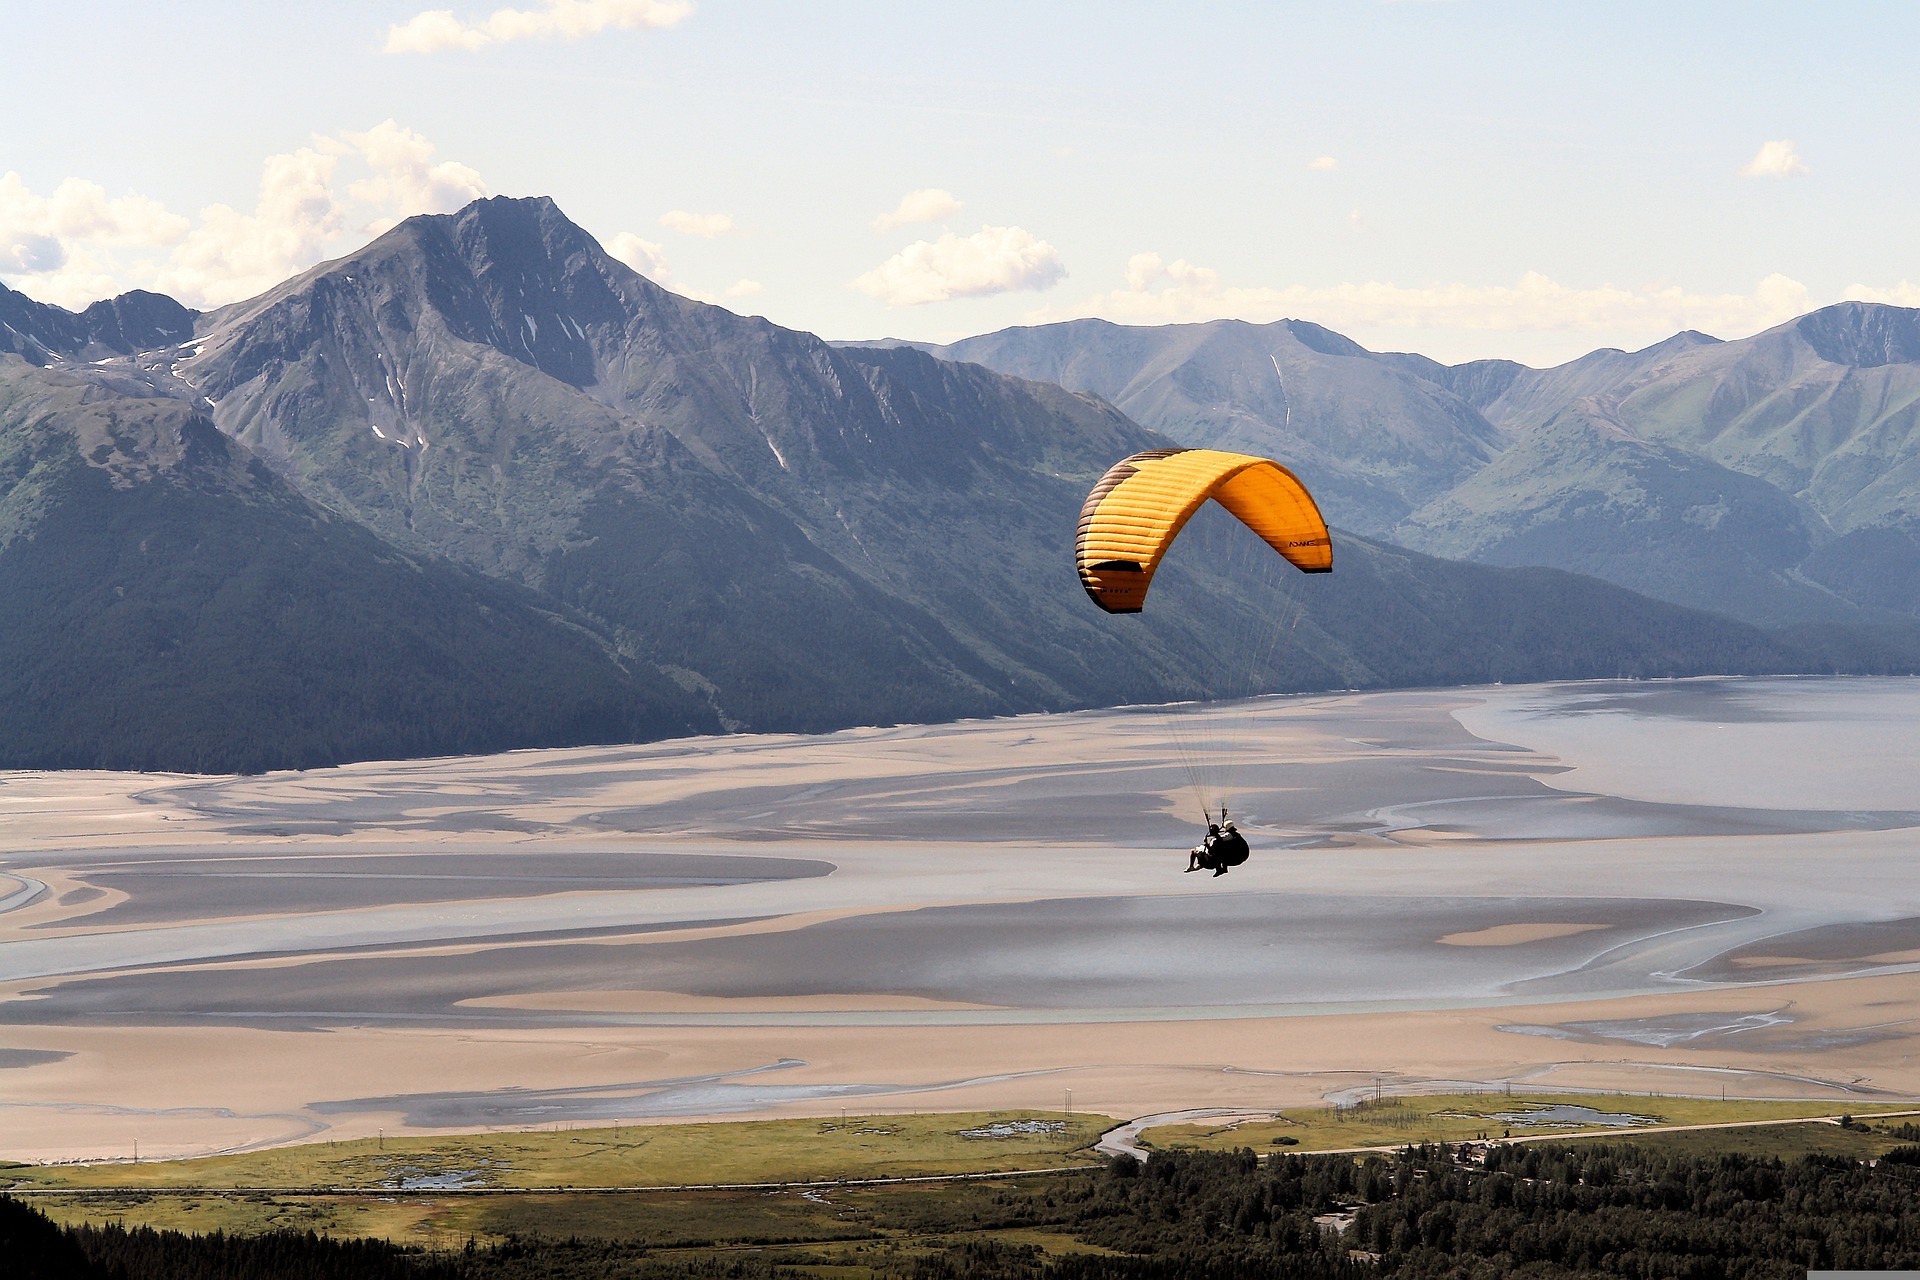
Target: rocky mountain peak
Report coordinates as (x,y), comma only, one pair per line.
(1324,340)
(1864,335)
(138,321)
(538,287)
(135,321)
(1686,338)
(515,275)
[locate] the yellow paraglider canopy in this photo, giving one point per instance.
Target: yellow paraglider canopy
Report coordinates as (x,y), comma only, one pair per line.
(1141,504)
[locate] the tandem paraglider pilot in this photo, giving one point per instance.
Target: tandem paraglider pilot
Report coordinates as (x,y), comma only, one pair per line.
(1132,517)
(1223,848)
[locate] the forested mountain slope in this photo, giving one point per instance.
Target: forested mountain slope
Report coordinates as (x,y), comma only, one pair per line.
(1373,440)
(166,602)
(479,485)
(1775,478)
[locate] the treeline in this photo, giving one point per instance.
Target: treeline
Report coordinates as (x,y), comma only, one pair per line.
(33,1247)
(1592,1209)
(159,628)
(1544,1211)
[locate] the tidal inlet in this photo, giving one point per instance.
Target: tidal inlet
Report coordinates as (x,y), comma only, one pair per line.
(1700,887)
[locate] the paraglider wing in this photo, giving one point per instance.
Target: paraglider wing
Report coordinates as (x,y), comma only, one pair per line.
(1139,507)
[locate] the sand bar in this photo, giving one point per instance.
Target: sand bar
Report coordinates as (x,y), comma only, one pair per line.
(972,915)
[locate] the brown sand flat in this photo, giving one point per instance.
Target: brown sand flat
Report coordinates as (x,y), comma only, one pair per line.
(77,1108)
(1512,935)
(969,915)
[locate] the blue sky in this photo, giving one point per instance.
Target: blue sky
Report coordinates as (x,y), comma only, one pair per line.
(1455,177)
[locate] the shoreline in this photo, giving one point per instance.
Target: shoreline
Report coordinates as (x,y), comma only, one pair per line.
(660,927)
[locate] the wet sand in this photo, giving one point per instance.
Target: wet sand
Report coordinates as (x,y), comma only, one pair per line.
(163,887)
(1568,885)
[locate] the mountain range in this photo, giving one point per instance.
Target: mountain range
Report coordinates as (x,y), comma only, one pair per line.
(1775,478)
(480,485)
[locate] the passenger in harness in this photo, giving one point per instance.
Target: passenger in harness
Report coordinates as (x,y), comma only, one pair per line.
(1223,848)
(1200,857)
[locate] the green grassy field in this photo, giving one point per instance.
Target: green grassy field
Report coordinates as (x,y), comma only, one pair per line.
(1463,1116)
(915,1215)
(630,1156)
(1782,1141)
(835,1225)
(409,1219)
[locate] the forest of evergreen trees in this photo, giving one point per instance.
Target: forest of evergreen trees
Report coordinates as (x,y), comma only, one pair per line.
(1542,1211)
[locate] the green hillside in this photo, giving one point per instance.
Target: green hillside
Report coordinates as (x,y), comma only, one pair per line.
(166,603)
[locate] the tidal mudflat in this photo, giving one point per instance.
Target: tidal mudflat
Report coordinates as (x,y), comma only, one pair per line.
(1680,886)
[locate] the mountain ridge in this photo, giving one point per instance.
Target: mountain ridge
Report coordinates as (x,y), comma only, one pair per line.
(166,602)
(42,334)
(1824,409)
(729,524)
(1376,441)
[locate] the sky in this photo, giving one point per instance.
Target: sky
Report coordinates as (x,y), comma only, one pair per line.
(1462,178)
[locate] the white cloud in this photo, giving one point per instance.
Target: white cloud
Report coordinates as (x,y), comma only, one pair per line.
(1145,270)
(929,204)
(437,29)
(644,256)
(1776,159)
(77,245)
(70,278)
(81,210)
(1323,163)
(707,226)
(993,260)
(233,255)
(1904,294)
(29,253)
(62,242)
(405,177)
(650,260)
(1160,292)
